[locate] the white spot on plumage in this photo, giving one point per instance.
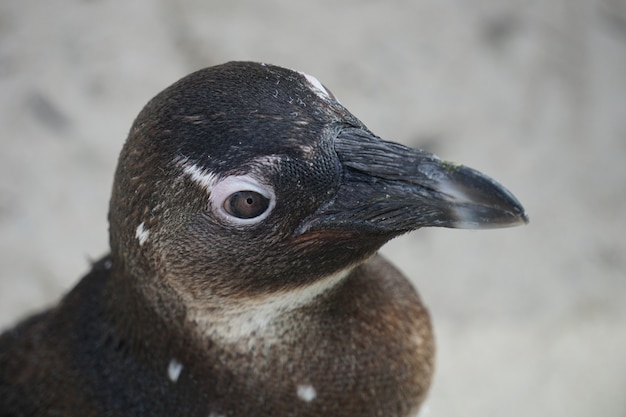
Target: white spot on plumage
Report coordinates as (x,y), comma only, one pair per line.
(306,392)
(174,368)
(142,234)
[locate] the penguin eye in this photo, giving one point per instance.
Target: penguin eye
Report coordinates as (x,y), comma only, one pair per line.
(242,199)
(246,204)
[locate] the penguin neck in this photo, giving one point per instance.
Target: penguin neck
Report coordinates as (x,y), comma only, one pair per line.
(233,321)
(146,314)
(145,317)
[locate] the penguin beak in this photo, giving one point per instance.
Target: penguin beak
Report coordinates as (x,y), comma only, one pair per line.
(388,188)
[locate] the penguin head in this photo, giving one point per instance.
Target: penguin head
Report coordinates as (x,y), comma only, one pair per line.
(245,178)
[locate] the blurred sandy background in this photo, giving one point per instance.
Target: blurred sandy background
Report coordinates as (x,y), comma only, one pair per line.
(530,321)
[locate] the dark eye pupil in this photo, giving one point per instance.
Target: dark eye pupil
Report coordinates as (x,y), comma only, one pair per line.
(246,204)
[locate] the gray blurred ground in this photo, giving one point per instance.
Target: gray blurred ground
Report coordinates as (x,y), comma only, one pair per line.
(530,321)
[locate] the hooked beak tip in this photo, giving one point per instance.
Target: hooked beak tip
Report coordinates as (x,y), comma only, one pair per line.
(479,202)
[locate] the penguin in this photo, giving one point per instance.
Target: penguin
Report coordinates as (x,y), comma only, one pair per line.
(243,277)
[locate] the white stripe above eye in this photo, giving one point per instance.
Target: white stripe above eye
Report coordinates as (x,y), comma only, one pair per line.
(202,177)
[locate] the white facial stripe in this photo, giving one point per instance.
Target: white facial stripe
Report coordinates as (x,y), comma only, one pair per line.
(202,177)
(316,86)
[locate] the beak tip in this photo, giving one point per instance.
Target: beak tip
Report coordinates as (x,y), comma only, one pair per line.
(504,214)
(519,216)
(479,202)
(525,218)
